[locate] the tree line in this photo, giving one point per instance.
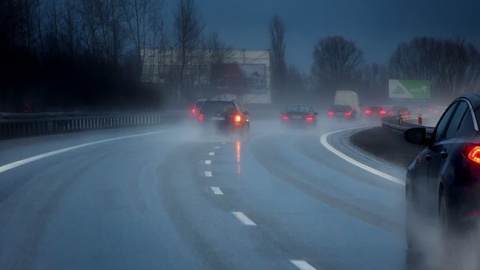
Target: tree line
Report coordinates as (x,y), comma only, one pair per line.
(58,55)
(87,54)
(451,65)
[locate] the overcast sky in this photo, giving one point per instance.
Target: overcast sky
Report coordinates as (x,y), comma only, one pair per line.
(376,26)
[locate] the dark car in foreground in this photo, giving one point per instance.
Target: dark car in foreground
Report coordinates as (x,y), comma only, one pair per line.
(223,116)
(341,111)
(443,182)
(299,115)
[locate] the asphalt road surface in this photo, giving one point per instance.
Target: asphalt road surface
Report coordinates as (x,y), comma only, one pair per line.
(164,198)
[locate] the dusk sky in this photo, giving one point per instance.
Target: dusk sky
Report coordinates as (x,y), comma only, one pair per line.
(376,26)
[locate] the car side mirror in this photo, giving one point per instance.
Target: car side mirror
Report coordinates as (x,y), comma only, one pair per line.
(416,135)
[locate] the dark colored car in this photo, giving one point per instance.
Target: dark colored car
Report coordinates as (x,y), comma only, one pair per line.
(397,110)
(443,182)
(341,111)
(299,115)
(220,115)
(376,111)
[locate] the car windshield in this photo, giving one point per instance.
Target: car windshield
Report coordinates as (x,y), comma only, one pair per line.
(238,134)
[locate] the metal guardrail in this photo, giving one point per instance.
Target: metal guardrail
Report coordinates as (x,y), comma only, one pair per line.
(402,123)
(22,125)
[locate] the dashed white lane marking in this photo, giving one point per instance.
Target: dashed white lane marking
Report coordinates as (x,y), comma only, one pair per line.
(216,190)
(303,265)
(22,162)
(208,162)
(323,141)
(244,219)
(208,174)
(211,154)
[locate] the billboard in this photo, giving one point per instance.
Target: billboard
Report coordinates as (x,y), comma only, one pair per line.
(234,78)
(417,89)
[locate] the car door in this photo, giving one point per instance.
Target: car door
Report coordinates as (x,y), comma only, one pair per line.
(439,151)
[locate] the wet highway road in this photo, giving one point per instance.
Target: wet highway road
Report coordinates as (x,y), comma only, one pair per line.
(161,198)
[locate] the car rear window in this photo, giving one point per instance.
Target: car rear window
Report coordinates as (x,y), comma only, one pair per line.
(218,107)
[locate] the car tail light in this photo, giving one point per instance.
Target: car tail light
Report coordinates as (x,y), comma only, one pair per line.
(201,117)
(285,117)
(391,113)
(309,118)
(405,112)
(237,118)
(368,112)
(194,111)
(330,113)
(348,114)
(382,112)
(472,152)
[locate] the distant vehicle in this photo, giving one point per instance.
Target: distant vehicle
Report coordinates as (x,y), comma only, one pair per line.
(443,182)
(376,111)
(398,110)
(349,98)
(223,116)
(341,111)
(299,115)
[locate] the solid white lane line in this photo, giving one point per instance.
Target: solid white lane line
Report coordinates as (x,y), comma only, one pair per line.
(323,141)
(22,162)
(208,162)
(208,174)
(244,219)
(302,265)
(211,154)
(216,190)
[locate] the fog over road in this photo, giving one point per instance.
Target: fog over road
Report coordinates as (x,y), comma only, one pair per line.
(163,198)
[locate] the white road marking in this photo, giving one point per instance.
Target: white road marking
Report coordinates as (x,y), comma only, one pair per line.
(208,174)
(211,154)
(22,162)
(323,141)
(303,265)
(217,147)
(244,219)
(216,190)
(208,162)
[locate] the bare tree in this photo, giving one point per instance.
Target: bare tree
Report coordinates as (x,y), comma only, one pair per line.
(188,36)
(336,63)
(375,81)
(277,49)
(144,24)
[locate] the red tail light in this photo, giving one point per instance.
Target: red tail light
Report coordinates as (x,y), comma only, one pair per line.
(201,117)
(405,113)
(382,112)
(391,113)
(368,112)
(237,118)
(472,152)
(194,111)
(348,114)
(285,117)
(309,118)
(330,113)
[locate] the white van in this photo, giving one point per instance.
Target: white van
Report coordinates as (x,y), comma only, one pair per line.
(349,98)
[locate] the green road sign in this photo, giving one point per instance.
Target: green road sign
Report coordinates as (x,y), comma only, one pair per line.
(409,89)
